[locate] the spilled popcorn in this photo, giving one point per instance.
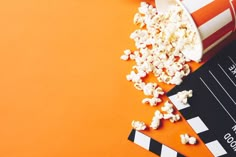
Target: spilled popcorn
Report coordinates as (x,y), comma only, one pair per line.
(156,120)
(168,109)
(183,96)
(138,125)
(186,139)
(162,42)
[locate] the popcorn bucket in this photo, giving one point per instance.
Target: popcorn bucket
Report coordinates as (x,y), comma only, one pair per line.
(213,19)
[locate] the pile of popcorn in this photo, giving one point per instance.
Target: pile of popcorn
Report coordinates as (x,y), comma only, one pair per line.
(163,43)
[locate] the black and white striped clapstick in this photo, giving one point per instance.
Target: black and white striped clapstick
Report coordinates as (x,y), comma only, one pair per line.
(152,145)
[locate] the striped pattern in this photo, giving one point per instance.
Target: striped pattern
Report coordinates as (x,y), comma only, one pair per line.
(215,19)
(197,4)
(152,145)
(199,127)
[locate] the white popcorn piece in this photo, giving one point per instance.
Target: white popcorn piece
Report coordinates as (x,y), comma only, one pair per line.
(138,125)
(166,78)
(184,95)
(186,139)
(168,116)
(168,104)
(186,70)
(152,101)
(177,79)
(155,124)
(139,20)
(156,120)
(142,73)
(127,52)
(132,57)
(143,9)
(175,118)
(158,114)
(149,88)
(192,140)
(124,57)
(139,85)
(133,77)
(158,91)
(168,107)
(169,110)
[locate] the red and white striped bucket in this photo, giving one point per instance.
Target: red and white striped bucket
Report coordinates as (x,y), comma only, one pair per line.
(214,20)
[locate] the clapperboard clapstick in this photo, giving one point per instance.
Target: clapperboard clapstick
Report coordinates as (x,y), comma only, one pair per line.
(152,145)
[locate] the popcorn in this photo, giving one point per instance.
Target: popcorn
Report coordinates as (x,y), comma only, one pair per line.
(138,20)
(158,114)
(149,88)
(175,118)
(167,116)
(176,79)
(184,95)
(139,85)
(186,70)
(156,120)
(192,140)
(161,42)
(134,77)
(132,57)
(168,107)
(185,139)
(127,52)
(152,101)
(137,125)
(157,92)
(155,123)
(124,57)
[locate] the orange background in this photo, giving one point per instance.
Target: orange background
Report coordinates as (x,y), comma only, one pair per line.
(63,91)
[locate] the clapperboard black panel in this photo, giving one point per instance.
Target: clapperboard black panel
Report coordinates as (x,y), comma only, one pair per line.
(211,112)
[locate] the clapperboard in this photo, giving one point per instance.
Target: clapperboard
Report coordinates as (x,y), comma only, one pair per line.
(211,112)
